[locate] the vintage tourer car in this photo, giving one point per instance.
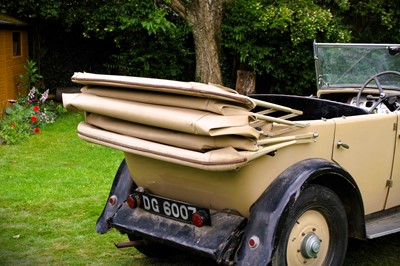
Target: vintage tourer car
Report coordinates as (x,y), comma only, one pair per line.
(252,180)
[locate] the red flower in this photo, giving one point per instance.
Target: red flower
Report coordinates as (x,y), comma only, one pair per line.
(36,130)
(36,108)
(34,119)
(12,125)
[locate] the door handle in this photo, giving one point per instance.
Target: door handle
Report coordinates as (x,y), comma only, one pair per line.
(340,143)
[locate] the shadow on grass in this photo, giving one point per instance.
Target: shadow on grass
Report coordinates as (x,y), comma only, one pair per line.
(380,251)
(184,259)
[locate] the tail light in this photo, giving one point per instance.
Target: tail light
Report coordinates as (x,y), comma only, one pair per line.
(134,201)
(200,218)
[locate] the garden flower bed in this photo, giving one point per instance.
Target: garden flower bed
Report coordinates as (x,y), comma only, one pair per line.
(27,116)
(29,113)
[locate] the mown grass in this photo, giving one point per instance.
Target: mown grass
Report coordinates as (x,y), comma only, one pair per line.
(53,188)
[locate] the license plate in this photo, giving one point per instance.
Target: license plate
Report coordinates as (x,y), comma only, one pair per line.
(177,210)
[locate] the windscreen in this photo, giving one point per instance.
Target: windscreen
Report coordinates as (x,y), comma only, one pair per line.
(351,65)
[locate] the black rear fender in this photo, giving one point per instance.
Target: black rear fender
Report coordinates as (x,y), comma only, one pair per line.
(269,212)
(121,188)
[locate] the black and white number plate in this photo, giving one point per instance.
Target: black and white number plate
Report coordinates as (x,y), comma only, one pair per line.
(177,210)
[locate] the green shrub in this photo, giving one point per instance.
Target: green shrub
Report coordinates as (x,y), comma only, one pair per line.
(31,78)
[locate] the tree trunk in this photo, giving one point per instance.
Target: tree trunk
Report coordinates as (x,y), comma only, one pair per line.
(205,19)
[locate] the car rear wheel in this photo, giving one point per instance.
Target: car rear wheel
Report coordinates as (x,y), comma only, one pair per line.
(153,250)
(315,231)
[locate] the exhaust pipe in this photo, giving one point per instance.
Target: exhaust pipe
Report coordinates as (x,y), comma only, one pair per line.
(129,244)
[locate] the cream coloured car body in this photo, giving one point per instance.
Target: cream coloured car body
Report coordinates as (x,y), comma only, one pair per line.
(369,160)
(250,168)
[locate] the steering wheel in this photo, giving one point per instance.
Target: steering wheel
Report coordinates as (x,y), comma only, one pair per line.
(388,99)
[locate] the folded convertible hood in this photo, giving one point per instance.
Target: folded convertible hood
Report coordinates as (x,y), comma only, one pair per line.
(163,85)
(198,125)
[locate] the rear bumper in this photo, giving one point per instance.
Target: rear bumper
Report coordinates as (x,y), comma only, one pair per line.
(218,241)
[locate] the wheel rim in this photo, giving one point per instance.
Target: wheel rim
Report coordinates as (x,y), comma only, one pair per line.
(308,241)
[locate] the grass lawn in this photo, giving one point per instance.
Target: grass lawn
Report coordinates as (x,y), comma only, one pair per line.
(53,188)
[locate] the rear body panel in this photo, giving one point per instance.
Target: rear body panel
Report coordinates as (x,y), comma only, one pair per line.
(236,189)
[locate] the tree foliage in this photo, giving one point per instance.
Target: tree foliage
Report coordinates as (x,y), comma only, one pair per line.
(273,38)
(149,39)
(152,41)
(375,21)
(31,11)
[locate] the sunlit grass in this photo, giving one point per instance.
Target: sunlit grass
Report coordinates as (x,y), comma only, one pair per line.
(53,188)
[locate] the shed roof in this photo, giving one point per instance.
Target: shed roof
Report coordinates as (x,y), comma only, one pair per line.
(8,21)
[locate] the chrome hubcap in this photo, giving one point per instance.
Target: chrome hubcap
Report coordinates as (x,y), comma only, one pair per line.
(310,246)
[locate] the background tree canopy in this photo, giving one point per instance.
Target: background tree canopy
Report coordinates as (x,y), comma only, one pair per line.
(163,38)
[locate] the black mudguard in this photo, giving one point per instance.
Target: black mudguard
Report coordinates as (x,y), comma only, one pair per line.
(270,211)
(122,187)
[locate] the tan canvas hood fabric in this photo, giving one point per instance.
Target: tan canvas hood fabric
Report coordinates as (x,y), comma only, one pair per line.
(173,138)
(198,125)
(217,160)
(175,100)
(174,118)
(163,85)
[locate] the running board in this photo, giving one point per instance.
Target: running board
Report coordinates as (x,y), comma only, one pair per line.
(385,224)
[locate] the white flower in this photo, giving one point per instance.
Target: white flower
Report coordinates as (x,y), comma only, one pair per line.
(44,96)
(31,93)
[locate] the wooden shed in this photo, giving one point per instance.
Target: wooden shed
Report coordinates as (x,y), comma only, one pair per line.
(13,57)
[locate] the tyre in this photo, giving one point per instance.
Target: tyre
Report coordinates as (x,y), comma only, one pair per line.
(315,231)
(154,250)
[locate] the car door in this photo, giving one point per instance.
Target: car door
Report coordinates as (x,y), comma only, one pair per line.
(394,190)
(364,146)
